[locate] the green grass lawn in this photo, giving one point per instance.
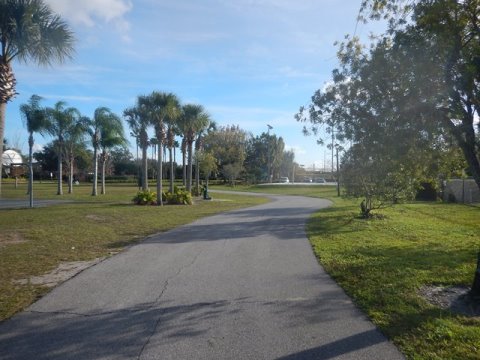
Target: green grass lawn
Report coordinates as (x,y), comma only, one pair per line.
(35,241)
(382,264)
(321,191)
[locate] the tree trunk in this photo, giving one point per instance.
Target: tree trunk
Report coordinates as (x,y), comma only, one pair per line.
(465,133)
(184,160)
(59,174)
(95,171)
(172,172)
(468,150)
(144,168)
(160,175)
(475,290)
(197,177)
(164,160)
(30,169)
(190,166)
(103,191)
(70,174)
(184,168)
(3,109)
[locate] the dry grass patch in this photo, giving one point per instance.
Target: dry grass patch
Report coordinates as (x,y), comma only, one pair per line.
(62,272)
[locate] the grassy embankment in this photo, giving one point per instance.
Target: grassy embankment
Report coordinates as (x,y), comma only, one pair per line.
(382,264)
(35,241)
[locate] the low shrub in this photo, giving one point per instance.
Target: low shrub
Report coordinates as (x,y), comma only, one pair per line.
(146,197)
(179,197)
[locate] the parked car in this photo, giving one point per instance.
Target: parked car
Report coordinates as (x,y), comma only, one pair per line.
(307,179)
(284,180)
(320,181)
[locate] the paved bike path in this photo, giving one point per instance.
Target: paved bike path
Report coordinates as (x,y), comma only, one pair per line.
(239,285)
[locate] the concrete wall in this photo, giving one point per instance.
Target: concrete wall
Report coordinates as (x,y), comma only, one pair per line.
(464,191)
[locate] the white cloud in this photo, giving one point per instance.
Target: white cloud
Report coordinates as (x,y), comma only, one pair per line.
(89,12)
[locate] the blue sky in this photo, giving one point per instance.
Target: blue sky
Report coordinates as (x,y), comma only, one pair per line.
(248,62)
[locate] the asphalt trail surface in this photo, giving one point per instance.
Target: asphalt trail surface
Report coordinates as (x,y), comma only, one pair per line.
(239,285)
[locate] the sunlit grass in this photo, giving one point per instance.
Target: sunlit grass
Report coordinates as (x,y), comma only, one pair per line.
(383,263)
(321,191)
(35,241)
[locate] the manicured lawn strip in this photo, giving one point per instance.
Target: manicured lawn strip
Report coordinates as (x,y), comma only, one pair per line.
(35,241)
(321,191)
(382,264)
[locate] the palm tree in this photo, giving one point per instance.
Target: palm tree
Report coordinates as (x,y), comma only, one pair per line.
(60,121)
(162,108)
(194,119)
(106,131)
(205,125)
(184,157)
(92,126)
(36,121)
(74,137)
(172,130)
(138,122)
(29,31)
(111,135)
(182,128)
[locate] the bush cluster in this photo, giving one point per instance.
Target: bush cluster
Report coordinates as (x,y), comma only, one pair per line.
(145,197)
(178,197)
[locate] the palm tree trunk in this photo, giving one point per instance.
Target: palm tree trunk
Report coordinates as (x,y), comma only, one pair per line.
(184,162)
(184,168)
(160,174)
(30,169)
(59,174)
(104,166)
(172,172)
(197,177)
(190,166)
(144,168)
(70,174)
(95,171)
(3,109)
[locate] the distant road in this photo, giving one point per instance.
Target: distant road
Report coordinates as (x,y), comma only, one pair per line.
(239,285)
